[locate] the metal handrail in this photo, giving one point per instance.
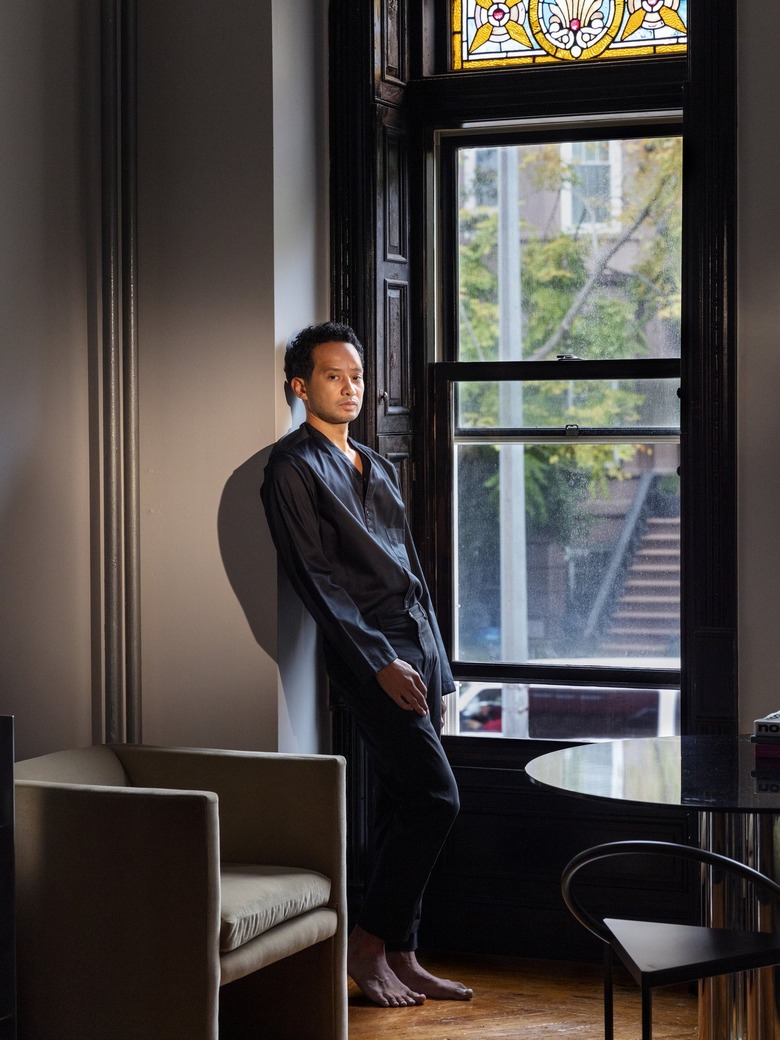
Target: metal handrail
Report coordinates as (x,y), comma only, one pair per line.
(627,536)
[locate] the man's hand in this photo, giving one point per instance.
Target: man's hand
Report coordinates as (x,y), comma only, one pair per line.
(404,686)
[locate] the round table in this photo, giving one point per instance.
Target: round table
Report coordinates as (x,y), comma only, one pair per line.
(736,791)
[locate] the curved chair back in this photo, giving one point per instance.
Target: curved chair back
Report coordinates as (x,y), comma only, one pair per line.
(651,848)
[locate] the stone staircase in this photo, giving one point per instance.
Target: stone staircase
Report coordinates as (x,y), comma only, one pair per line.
(646,618)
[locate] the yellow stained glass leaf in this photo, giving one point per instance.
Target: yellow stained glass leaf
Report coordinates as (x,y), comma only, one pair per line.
(518,33)
(512,3)
(633,23)
(486,4)
(672,19)
(482,36)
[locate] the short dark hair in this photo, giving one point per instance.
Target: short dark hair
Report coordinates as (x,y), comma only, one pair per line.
(298,360)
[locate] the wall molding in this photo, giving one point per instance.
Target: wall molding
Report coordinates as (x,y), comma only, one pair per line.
(120,499)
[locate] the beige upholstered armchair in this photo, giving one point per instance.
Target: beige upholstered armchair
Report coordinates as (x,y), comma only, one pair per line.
(180,894)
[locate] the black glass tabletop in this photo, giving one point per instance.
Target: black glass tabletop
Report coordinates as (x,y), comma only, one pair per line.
(715,773)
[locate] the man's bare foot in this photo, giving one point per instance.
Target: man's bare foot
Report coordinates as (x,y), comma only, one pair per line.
(368,968)
(409,971)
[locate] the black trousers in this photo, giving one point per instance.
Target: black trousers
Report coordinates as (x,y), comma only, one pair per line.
(417,797)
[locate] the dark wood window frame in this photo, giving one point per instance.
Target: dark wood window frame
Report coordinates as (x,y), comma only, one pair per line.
(386,103)
(389,92)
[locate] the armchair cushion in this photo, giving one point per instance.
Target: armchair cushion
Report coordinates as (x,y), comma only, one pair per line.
(180,893)
(256,898)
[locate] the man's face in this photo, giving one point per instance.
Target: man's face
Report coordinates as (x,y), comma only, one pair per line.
(334,393)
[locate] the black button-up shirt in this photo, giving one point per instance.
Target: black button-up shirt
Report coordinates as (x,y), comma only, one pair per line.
(345,543)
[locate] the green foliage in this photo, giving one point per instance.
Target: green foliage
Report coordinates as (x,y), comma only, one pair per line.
(556,486)
(554,270)
(594,291)
(478,286)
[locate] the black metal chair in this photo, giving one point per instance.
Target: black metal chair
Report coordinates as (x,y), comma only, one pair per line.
(661,954)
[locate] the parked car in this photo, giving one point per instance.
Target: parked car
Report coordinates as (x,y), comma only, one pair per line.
(566,712)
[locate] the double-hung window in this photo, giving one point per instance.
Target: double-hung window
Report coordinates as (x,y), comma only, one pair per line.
(558,427)
(534,226)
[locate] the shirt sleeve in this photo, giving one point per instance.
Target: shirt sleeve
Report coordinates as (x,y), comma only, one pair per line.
(447,681)
(290,499)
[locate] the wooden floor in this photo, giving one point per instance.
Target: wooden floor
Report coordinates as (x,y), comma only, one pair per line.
(518,999)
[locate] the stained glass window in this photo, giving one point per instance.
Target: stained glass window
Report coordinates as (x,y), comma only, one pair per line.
(526,32)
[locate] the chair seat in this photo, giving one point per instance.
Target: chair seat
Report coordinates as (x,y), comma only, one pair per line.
(257,898)
(663,954)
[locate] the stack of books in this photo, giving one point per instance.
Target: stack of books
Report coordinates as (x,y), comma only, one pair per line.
(766,736)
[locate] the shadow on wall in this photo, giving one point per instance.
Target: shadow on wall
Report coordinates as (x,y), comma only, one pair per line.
(248,553)
(247,549)
(279,622)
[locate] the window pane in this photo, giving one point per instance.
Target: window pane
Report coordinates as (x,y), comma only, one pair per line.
(489,35)
(570,249)
(557,404)
(564,712)
(567,553)
(591,191)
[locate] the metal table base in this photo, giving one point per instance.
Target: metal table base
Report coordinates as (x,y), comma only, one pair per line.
(743,1006)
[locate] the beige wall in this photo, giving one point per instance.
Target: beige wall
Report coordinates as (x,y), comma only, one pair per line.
(232,258)
(302,295)
(758,362)
(46,323)
(232,174)
(206,330)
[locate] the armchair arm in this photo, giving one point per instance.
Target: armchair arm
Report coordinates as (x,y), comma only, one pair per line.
(273,807)
(118,911)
